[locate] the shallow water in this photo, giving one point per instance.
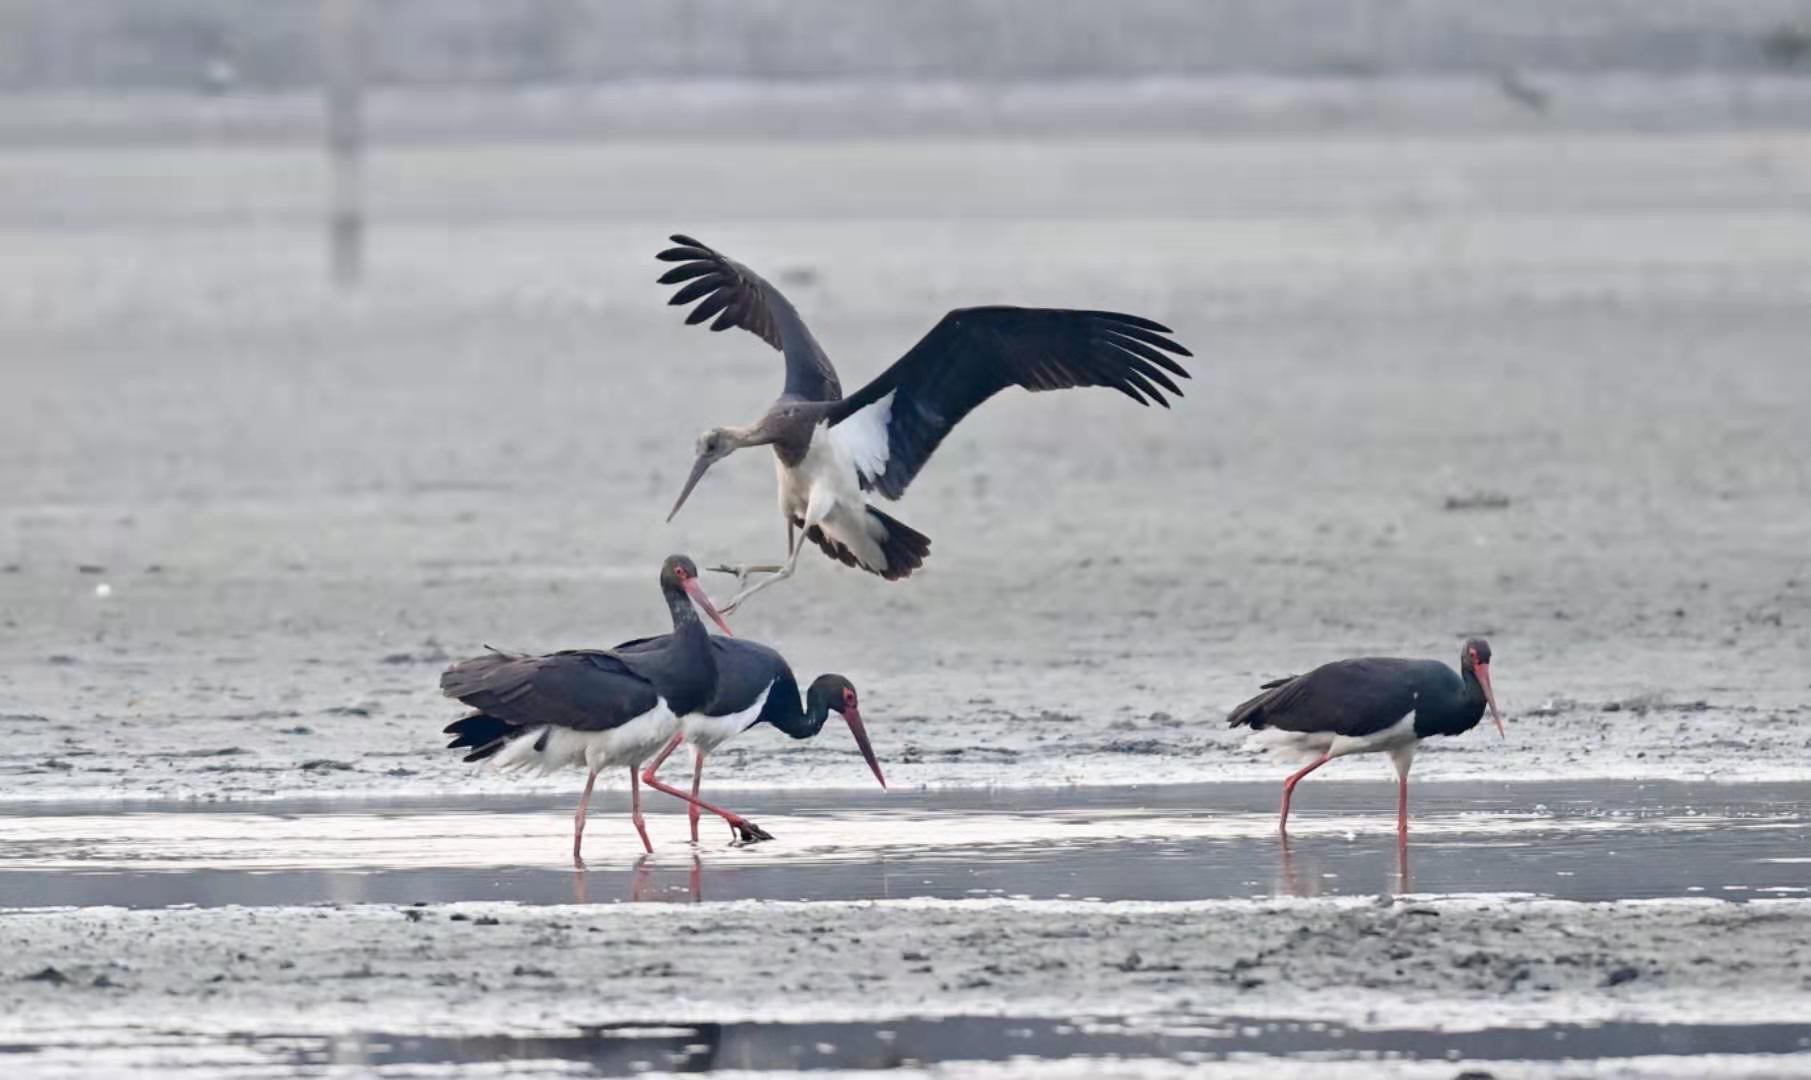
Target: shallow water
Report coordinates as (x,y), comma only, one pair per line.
(1596,841)
(629,1049)
(626,1049)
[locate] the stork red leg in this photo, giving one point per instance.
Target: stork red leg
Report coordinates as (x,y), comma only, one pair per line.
(1289,789)
(693,811)
(660,759)
(746,831)
(1403,758)
(635,811)
(578,819)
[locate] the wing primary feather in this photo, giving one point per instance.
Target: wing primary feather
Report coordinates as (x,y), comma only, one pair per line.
(696,289)
(1140,349)
(1130,320)
(712,304)
(1131,359)
(732,315)
(1150,338)
(1153,393)
(1128,390)
(685,273)
(680,254)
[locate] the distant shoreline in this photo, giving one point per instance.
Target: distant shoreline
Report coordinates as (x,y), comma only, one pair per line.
(834,108)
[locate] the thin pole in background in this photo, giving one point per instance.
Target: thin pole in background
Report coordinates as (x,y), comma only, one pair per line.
(343,81)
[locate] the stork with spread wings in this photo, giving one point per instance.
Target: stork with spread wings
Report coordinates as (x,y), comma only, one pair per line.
(835,452)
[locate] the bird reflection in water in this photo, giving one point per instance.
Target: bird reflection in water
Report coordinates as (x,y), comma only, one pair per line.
(1303,878)
(645,887)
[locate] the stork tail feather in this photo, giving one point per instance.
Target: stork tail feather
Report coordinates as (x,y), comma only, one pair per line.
(1251,713)
(486,734)
(904,547)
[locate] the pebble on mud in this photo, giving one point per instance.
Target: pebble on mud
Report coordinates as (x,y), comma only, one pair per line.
(1480,500)
(48,975)
(317,764)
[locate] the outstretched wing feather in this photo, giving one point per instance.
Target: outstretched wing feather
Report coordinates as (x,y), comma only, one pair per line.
(974,353)
(738,297)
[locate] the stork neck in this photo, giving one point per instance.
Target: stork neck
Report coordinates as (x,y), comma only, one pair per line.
(688,628)
(785,713)
(740,438)
(1440,710)
(1474,690)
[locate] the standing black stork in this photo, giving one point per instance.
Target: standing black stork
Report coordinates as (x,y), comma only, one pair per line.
(754,686)
(1373,705)
(834,450)
(591,707)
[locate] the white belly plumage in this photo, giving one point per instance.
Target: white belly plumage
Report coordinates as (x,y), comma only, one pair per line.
(706,733)
(828,477)
(626,745)
(1394,739)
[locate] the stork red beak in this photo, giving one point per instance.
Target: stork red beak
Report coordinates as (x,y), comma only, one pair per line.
(853,716)
(699,467)
(1490,697)
(697,593)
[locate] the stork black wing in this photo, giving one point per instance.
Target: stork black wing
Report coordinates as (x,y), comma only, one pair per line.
(744,670)
(1346,697)
(892,425)
(583,689)
(737,296)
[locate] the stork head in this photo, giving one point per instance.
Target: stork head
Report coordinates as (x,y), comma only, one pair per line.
(1474,660)
(679,575)
(836,694)
(713,446)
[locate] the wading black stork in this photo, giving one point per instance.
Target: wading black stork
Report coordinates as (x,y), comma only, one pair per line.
(754,686)
(1373,705)
(834,451)
(591,707)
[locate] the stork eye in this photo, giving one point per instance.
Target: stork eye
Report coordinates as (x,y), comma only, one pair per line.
(849,698)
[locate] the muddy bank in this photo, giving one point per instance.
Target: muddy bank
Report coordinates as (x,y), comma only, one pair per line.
(499,968)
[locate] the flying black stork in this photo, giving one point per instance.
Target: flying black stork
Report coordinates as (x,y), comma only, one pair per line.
(1373,705)
(834,451)
(591,707)
(754,686)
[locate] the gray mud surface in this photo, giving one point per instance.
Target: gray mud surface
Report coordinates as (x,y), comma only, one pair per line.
(1445,386)
(197,977)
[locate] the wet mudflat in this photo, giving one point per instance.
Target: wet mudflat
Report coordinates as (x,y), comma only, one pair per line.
(1473,384)
(637,1048)
(1569,841)
(1129,988)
